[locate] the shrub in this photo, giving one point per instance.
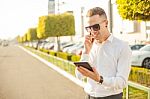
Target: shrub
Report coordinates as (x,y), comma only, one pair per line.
(52,53)
(75,58)
(140,75)
(62,55)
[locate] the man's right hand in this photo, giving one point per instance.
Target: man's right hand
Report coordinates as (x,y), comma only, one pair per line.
(88,44)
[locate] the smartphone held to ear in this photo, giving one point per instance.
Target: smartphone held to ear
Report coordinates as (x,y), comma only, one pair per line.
(92,39)
(84,64)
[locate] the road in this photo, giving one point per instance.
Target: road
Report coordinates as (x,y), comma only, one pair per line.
(24,77)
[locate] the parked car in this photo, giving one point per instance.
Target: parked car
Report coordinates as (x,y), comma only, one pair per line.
(68,44)
(41,45)
(35,44)
(136,46)
(79,51)
(5,43)
(49,46)
(68,47)
(60,45)
(75,48)
(141,57)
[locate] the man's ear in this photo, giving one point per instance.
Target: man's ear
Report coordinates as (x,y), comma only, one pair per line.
(106,23)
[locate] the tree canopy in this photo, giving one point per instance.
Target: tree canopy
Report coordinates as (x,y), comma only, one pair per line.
(56,25)
(32,34)
(134,9)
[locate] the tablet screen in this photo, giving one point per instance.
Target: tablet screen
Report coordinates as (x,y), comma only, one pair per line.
(84,64)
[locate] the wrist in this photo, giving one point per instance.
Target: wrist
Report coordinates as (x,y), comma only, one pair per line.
(100,80)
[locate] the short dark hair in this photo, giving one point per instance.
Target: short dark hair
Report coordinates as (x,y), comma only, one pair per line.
(96,11)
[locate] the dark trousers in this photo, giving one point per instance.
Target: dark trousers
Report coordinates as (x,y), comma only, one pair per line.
(118,96)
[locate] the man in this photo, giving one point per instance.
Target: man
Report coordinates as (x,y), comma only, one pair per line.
(109,57)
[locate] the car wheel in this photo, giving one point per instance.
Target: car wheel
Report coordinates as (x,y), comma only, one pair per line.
(146,63)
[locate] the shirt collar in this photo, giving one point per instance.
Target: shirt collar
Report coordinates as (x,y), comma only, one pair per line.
(110,38)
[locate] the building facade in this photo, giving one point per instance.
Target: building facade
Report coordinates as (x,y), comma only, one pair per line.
(51,6)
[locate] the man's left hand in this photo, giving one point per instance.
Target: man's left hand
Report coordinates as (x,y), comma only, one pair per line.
(93,75)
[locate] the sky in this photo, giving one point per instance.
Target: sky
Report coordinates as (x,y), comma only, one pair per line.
(16,16)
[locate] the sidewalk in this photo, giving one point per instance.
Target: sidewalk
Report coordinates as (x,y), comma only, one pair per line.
(24,77)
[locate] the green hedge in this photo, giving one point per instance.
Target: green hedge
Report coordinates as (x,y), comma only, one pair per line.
(64,55)
(140,75)
(44,50)
(52,53)
(75,58)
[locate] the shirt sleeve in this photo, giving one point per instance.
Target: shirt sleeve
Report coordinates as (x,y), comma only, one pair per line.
(123,69)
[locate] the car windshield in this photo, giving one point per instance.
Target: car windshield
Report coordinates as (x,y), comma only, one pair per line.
(145,48)
(136,46)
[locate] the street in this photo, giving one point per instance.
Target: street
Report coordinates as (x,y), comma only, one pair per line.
(24,77)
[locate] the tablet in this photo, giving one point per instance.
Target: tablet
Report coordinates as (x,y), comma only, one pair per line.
(84,64)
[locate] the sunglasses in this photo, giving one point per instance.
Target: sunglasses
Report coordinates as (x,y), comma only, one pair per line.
(94,27)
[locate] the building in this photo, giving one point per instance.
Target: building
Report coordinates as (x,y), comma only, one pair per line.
(51,6)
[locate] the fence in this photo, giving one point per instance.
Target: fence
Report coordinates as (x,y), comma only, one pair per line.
(138,86)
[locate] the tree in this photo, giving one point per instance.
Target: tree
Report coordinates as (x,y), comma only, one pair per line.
(56,26)
(19,39)
(41,33)
(32,34)
(134,9)
(64,27)
(66,24)
(25,37)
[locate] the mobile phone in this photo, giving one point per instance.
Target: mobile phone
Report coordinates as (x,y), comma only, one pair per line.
(92,39)
(84,64)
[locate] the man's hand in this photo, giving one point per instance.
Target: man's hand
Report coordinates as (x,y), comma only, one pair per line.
(88,43)
(93,75)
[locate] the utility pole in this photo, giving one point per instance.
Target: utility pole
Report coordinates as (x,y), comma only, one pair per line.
(110,15)
(82,21)
(58,7)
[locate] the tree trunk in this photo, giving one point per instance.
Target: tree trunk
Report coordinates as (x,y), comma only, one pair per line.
(147,36)
(58,43)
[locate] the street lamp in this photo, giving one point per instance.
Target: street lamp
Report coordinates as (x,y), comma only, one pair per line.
(58,6)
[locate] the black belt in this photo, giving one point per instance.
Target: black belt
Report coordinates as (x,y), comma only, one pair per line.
(117,96)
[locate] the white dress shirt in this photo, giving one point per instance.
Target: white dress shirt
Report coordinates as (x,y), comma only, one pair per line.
(112,60)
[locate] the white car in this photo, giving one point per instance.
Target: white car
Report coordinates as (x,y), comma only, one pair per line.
(141,57)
